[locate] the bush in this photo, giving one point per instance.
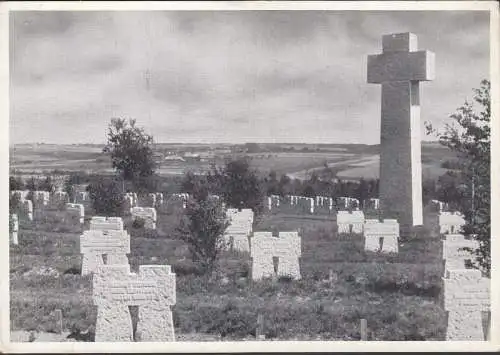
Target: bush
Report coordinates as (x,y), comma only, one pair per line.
(202,228)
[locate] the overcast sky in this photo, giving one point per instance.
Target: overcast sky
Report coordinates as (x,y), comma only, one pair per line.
(240,76)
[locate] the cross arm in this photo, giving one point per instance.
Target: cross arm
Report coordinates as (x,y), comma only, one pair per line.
(401,66)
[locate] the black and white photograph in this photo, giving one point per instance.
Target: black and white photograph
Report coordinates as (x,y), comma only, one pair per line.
(254,173)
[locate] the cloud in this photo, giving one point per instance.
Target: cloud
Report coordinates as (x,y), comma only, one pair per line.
(227,76)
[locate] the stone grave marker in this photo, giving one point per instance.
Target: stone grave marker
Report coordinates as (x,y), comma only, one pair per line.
(373,203)
(21,194)
(451,222)
(262,252)
(106,223)
(75,212)
(41,198)
(287,247)
(240,227)
(152,289)
(453,254)
(466,295)
(115,244)
(148,214)
(388,231)
(399,69)
(81,197)
(14,229)
(350,222)
(27,209)
(59,199)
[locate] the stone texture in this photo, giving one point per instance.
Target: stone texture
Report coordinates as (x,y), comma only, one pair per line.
(466,295)
(400,69)
(350,222)
(262,251)
(287,247)
(75,212)
(345,203)
(372,203)
(106,223)
(81,196)
(388,230)
(59,198)
(152,289)
(240,227)
(41,198)
(115,244)
(450,222)
(148,214)
(21,194)
(15,229)
(453,254)
(27,209)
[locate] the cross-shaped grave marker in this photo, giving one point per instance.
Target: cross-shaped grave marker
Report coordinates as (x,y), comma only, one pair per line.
(115,288)
(399,69)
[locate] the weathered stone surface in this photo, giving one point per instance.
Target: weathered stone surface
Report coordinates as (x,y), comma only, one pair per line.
(81,196)
(152,289)
(388,230)
(115,244)
(453,254)
(27,209)
(59,198)
(451,222)
(262,251)
(106,223)
(466,295)
(350,222)
(345,203)
(240,227)
(287,247)
(41,198)
(75,212)
(399,69)
(14,221)
(148,214)
(21,194)
(372,203)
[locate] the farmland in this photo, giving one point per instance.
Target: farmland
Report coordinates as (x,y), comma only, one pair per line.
(348,161)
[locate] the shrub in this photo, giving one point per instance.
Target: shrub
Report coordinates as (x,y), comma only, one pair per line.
(202,228)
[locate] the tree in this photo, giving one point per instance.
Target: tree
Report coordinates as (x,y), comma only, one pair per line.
(15,183)
(130,149)
(47,185)
(202,228)
(106,197)
(469,137)
(241,187)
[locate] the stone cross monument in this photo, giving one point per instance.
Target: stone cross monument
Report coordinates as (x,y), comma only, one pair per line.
(399,69)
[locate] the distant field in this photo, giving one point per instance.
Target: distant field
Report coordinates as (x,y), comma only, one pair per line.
(350,162)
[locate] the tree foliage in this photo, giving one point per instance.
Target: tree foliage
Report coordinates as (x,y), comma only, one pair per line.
(202,228)
(240,186)
(469,137)
(15,183)
(106,197)
(130,149)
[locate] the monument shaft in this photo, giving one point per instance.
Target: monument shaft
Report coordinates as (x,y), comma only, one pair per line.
(400,153)
(399,69)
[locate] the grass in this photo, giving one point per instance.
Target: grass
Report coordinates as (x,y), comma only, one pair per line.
(399,295)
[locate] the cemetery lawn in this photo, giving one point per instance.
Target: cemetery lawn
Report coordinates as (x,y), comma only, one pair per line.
(399,295)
